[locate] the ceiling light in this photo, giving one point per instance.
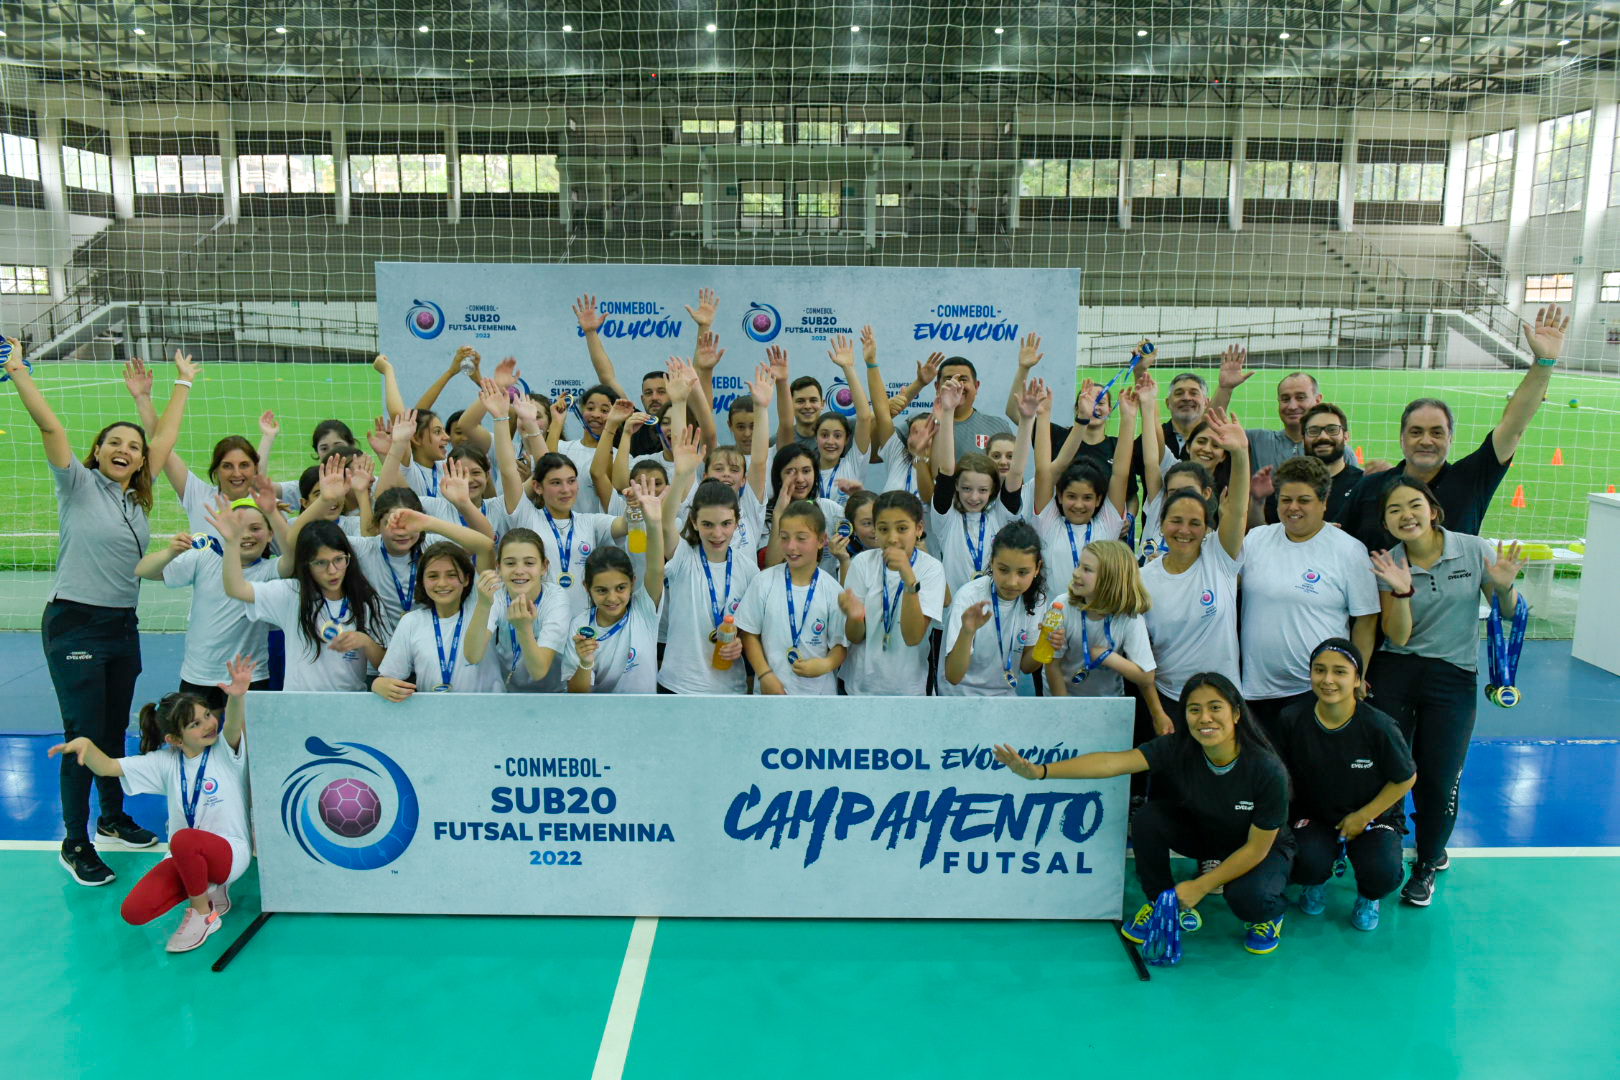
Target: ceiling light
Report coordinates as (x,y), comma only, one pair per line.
(139,32)
(999,30)
(1141,33)
(2,33)
(1424,40)
(1564,42)
(711,28)
(854,29)
(1284,36)
(422,29)
(281,29)
(568,28)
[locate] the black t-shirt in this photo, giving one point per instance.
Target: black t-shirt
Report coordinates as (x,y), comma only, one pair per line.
(1338,494)
(1464,488)
(1254,793)
(647,440)
(1102,451)
(1338,772)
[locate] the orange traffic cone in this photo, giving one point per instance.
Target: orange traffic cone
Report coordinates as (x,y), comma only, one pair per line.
(1518,498)
(1360,457)
(1611,489)
(1558,456)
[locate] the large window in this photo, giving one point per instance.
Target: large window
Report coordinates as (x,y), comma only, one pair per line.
(86,169)
(1409,181)
(1315,180)
(1488,180)
(286,174)
(1563,145)
(1549,288)
(19,155)
(25,279)
(1070,178)
(1609,290)
(503,173)
(389,174)
(706,126)
(1179,179)
(178,174)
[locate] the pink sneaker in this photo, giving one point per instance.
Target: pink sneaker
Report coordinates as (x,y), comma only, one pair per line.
(194,929)
(220,897)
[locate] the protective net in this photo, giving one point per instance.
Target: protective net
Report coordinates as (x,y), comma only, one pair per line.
(1371,193)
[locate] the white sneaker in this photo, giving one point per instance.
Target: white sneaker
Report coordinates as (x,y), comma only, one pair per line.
(1205,867)
(220,897)
(194,929)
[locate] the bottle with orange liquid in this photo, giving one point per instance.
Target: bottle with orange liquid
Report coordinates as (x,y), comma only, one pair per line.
(724,635)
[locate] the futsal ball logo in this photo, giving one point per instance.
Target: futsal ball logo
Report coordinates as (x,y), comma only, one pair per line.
(210,785)
(761,322)
(1206,598)
(425,319)
(1311,577)
(325,805)
(840,400)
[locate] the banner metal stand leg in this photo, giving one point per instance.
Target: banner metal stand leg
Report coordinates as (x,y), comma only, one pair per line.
(1142,973)
(241,941)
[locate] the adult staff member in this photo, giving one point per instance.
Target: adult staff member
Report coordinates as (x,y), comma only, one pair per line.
(1465,487)
(1327,433)
(92,647)
(1426,670)
(1297,392)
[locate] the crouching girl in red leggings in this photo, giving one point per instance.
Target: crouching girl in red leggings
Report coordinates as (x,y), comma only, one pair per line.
(201,768)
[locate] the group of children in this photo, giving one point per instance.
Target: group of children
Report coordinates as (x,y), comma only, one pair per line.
(486,552)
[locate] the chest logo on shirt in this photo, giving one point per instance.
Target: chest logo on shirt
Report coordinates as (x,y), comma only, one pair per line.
(630,659)
(1244,805)
(1309,581)
(1361,763)
(584,547)
(1023,637)
(210,785)
(982,441)
(1206,598)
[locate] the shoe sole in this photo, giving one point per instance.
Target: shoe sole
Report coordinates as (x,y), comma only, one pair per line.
(213,928)
(1262,952)
(1364,929)
(110,838)
(1410,902)
(1125,933)
(74,874)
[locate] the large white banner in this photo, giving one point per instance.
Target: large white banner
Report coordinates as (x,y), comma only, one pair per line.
(696,806)
(425,311)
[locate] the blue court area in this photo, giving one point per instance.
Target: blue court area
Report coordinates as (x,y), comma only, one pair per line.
(1509,974)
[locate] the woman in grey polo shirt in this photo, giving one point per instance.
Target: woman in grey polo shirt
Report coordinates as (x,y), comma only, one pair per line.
(1425,672)
(91,644)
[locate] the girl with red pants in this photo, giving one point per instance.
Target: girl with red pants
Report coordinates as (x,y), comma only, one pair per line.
(200,767)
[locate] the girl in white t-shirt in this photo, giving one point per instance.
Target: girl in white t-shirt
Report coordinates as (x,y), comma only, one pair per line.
(616,650)
(973,497)
(1087,503)
(427,651)
(745,475)
(792,627)
(858,533)
(704,582)
(843,443)
(200,767)
(993,619)
(526,623)
(1103,641)
(795,478)
(893,595)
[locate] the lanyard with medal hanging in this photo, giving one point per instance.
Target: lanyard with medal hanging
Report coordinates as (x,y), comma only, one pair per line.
(717,604)
(1504,656)
(1073,550)
(432,481)
(796,625)
(447,668)
(1087,665)
(406,592)
(565,555)
(976,556)
(189,808)
(331,626)
(891,610)
(1002,644)
(589,631)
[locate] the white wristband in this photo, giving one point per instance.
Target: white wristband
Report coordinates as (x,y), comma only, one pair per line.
(183,382)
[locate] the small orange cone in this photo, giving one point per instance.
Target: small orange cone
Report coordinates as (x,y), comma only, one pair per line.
(1360,458)
(1558,455)
(1518,498)
(1611,489)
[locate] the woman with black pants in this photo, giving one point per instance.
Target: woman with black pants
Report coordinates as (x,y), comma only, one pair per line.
(1425,673)
(91,644)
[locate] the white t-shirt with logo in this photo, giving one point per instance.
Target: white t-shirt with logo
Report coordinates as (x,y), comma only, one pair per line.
(877,667)
(422,479)
(627,662)
(958,536)
(222,803)
(1295,596)
(1193,621)
(764,611)
(1062,542)
(901,472)
(1127,635)
(688,666)
(582,534)
(415,650)
(582,456)
(848,468)
(553,626)
(392,576)
(310,667)
(986,673)
(218,628)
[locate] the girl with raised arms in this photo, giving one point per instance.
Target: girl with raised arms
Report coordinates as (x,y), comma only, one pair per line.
(527,623)
(1086,503)
(428,650)
(843,445)
(616,650)
(973,500)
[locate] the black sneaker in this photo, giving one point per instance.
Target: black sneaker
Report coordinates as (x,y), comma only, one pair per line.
(80,860)
(1443,862)
(123,830)
(1419,888)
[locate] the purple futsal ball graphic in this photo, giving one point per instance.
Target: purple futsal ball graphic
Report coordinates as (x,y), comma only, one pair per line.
(350,808)
(424,319)
(843,398)
(762,322)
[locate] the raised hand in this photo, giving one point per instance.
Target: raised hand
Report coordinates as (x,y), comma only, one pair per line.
(1227,431)
(1147,387)
(688,451)
(1505,570)
(1015,761)
(527,411)
(777,358)
(489,584)
(559,408)
(709,352)
(928,370)
(496,401)
(453,485)
(636,421)
(1546,337)
(853,607)
(842,354)
(763,387)
(868,346)
(378,437)
(179,543)
(1130,402)
(264,495)
(506,373)
(1029,402)
(361,473)
(1029,351)
(334,482)
(920,435)
(585,311)
(1261,484)
(1232,373)
(1396,574)
(14,365)
(1085,406)
(381,365)
(465,352)
(223,521)
(404,519)
(403,429)
(185,367)
(239,676)
(974,617)
(708,304)
(949,396)
(648,497)
(269,426)
(680,386)
(137,377)
(620,411)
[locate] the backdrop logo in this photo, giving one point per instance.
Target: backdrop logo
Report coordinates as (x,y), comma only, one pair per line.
(839,398)
(348,806)
(761,322)
(425,319)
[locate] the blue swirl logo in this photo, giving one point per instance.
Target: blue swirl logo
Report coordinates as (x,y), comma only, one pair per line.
(761,322)
(425,319)
(840,399)
(1311,577)
(347,806)
(1206,598)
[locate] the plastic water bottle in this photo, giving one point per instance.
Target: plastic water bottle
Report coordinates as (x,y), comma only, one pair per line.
(1043,644)
(638,530)
(723,636)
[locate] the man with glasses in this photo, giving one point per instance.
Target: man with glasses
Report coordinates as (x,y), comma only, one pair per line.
(1326,432)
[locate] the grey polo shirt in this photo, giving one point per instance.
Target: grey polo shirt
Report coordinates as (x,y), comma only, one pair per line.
(1445,605)
(102,534)
(1267,447)
(973,434)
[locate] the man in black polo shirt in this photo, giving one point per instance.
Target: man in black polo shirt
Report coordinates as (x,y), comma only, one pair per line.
(1326,432)
(1464,487)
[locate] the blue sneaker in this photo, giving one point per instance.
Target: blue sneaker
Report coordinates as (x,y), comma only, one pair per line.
(1313,900)
(1190,920)
(1365,914)
(1135,931)
(1263,937)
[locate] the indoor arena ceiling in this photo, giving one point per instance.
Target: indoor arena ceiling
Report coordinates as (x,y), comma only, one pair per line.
(933,50)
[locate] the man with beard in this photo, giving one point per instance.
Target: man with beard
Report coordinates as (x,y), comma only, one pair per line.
(1327,432)
(1296,393)
(1464,487)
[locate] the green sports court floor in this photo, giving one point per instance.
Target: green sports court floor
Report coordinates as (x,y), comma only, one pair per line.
(1511,974)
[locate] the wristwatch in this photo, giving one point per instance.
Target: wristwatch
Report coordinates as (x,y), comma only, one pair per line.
(915,587)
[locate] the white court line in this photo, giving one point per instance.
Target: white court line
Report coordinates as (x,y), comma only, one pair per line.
(1503,397)
(621,1021)
(56,845)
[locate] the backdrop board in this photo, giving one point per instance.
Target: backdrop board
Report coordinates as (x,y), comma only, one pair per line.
(426,310)
(699,806)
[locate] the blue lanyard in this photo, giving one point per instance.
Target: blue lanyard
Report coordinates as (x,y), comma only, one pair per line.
(565,555)
(603,639)
(976,556)
(1086,665)
(1070,530)
(795,625)
(911,479)
(407,595)
(825,490)
(1504,657)
(1002,644)
(189,807)
(517,648)
(891,613)
(717,604)
(343,611)
(447,668)
(432,481)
